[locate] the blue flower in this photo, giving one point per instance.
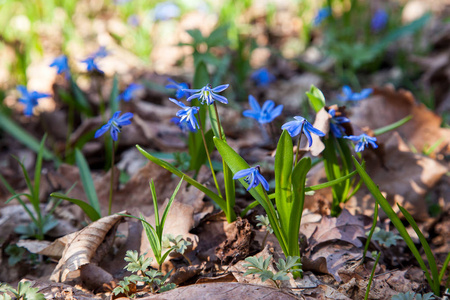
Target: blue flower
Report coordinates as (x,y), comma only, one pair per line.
(262,77)
(133,20)
(30,100)
(187,113)
(101,52)
(349,95)
(91,65)
(363,141)
(379,20)
(184,126)
(128,93)
(253,178)
(166,10)
(208,94)
(115,124)
(335,122)
(266,114)
(62,65)
(322,14)
(301,124)
(179,87)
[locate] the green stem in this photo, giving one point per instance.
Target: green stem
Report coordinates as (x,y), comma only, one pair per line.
(371,276)
(374,224)
(209,157)
(70,118)
(111,193)
(218,121)
(101,101)
(298,145)
(187,258)
(265,239)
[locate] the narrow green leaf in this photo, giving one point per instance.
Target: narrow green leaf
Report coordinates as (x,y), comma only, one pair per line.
(316,98)
(237,163)
(284,159)
(175,171)
(87,209)
(113,101)
(425,246)
(24,137)
(230,192)
(37,170)
(88,182)
(394,219)
(372,229)
(169,204)
(199,155)
(299,178)
(392,126)
(155,208)
(81,100)
(444,267)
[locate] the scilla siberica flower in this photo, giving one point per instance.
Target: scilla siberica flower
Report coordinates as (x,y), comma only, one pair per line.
(62,65)
(322,14)
(187,113)
(115,124)
(263,115)
(349,95)
(301,124)
(91,65)
(363,141)
(179,87)
(262,77)
(128,93)
(253,177)
(208,94)
(336,129)
(184,126)
(379,20)
(30,99)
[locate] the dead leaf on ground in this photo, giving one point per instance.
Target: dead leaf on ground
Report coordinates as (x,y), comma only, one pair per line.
(82,248)
(224,290)
(388,106)
(56,291)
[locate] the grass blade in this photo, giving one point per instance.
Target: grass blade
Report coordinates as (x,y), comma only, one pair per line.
(169,204)
(87,209)
(88,183)
(113,101)
(37,170)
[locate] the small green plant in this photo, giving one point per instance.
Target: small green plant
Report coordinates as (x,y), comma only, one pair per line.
(264,221)
(434,277)
(413,296)
(372,274)
(177,244)
(385,238)
(24,292)
(41,223)
(155,234)
(260,267)
(140,265)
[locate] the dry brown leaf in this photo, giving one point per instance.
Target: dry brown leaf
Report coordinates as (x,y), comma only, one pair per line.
(388,106)
(222,290)
(405,178)
(57,291)
(346,227)
(82,248)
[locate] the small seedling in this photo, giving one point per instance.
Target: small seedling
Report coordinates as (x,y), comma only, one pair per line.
(177,244)
(139,264)
(24,291)
(413,296)
(264,221)
(260,266)
(385,238)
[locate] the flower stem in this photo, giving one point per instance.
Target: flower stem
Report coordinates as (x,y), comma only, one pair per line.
(101,101)
(209,157)
(218,121)
(298,145)
(112,178)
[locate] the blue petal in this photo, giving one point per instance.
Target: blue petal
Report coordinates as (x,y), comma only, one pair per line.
(263,181)
(314,130)
(347,91)
(254,105)
(114,133)
(251,114)
(243,173)
(220,98)
(194,96)
(308,137)
(293,128)
(125,119)
(268,105)
(180,104)
(220,88)
(102,130)
(116,115)
(359,147)
(276,112)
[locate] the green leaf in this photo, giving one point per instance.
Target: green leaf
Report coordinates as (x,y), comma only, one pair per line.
(284,159)
(394,219)
(88,182)
(113,101)
(169,204)
(299,177)
(316,98)
(87,209)
(175,171)
(196,35)
(24,137)
(37,173)
(425,246)
(199,155)
(237,163)
(392,126)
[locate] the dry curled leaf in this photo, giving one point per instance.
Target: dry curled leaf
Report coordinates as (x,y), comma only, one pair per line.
(83,246)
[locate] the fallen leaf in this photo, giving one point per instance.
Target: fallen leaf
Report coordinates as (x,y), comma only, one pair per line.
(83,246)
